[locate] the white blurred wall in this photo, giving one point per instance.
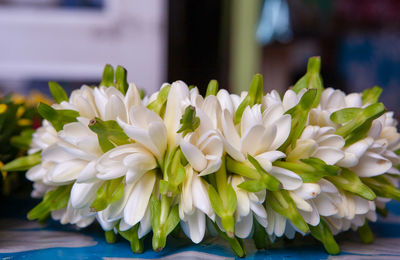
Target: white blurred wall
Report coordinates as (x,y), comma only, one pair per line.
(75,44)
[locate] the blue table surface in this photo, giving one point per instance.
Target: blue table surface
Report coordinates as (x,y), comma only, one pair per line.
(23,239)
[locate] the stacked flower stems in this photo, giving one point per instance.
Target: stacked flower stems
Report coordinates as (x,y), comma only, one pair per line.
(251,166)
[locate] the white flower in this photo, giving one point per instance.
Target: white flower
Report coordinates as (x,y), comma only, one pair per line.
(70,215)
(316,199)
(249,204)
(352,210)
(261,134)
(319,142)
(146,128)
(44,137)
(194,205)
(331,101)
(203,148)
(174,110)
(130,160)
(107,103)
(131,208)
(289,100)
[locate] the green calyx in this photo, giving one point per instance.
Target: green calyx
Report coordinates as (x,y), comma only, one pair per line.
(235,243)
(322,233)
(382,187)
(260,237)
(158,105)
(164,219)
(109,133)
(108,76)
(110,236)
(281,202)
(132,236)
(365,233)
(175,173)
(23,141)
(23,163)
(223,199)
(53,200)
(310,170)
(58,92)
(254,96)
(371,95)
(358,122)
(120,83)
(312,79)
(349,181)
(259,178)
(299,115)
(212,88)
(57,117)
(189,121)
(109,192)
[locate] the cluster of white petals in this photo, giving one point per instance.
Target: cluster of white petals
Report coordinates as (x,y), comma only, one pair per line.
(254,151)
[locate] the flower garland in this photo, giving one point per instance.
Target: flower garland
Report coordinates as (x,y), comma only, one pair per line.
(254,165)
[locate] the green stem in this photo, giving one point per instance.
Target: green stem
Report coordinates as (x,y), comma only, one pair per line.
(241,169)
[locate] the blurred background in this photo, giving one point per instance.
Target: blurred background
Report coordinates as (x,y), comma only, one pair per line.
(69,41)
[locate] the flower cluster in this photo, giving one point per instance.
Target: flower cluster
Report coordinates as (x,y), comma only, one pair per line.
(315,161)
(18,119)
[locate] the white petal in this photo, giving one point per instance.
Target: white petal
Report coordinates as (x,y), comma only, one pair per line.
(353,100)
(145,224)
(123,226)
(88,173)
(200,196)
(140,135)
(372,164)
(332,141)
(360,147)
(266,159)
(250,143)
(186,203)
(289,179)
(196,226)
(213,166)
(194,156)
(83,194)
(308,191)
(272,114)
(158,135)
(251,116)
(325,205)
(136,206)
(67,171)
(329,155)
(243,202)
(132,97)
(244,226)
(327,186)
(283,126)
(280,224)
(55,153)
(225,101)
(173,111)
(36,173)
(301,203)
(229,130)
(312,217)
(362,205)
(115,107)
(289,99)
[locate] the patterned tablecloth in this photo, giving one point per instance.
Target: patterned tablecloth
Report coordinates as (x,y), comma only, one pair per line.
(21,239)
